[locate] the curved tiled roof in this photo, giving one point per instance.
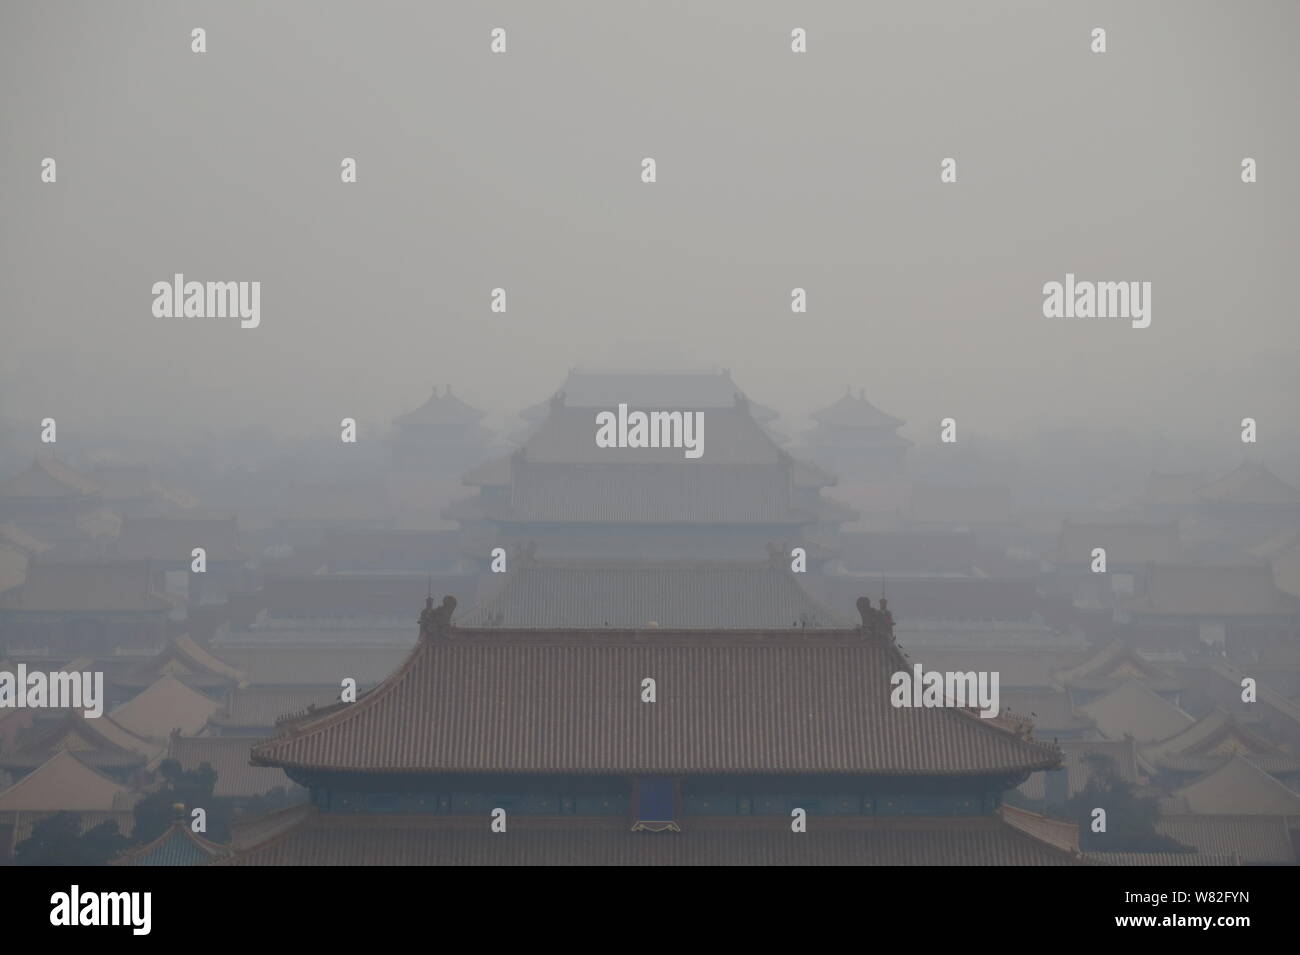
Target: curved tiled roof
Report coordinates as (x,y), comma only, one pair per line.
(855,411)
(176,846)
(48,477)
(439,410)
(166,705)
(1258,840)
(1133,709)
(1238,786)
(1215,737)
(64,782)
(530,701)
(693,389)
(1251,483)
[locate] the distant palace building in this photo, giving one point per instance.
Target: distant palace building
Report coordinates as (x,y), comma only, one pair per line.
(1242,510)
(573,499)
(53,503)
(651,746)
(87,607)
(441,437)
(857,440)
(693,390)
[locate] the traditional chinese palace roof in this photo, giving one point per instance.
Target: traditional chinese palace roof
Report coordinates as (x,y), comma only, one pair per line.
(856,412)
(439,411)
(48,477)
(728,702)
(176,846)
(87,587)
(690,391)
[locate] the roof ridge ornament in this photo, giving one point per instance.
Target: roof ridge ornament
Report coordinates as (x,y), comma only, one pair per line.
(876,624)
(436,621)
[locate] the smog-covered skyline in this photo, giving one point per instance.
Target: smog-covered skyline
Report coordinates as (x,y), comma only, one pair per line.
(775,172)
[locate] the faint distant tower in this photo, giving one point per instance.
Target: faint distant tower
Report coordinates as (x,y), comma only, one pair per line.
(441,437)
(856,440)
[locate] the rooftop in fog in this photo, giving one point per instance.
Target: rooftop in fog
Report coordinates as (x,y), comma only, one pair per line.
(1208,590)
(440,410)
(1251,483)
(687,391)
(855,411)
(125,586)
(729,701)
(47,477)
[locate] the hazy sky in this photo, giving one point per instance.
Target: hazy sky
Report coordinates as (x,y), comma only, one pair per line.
(775,170)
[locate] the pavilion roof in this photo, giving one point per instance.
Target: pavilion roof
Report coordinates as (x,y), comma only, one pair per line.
(178,845)
(855,411)
(1117,662)
(1133,709)
(165,706)
(439,410)
(184,658)
(64,782)
(85,735)
(1238,786)
(1216,737)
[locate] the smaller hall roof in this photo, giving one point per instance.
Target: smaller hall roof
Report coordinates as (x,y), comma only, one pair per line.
(64,782)
(855,411)
(165,706)
(439,411)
